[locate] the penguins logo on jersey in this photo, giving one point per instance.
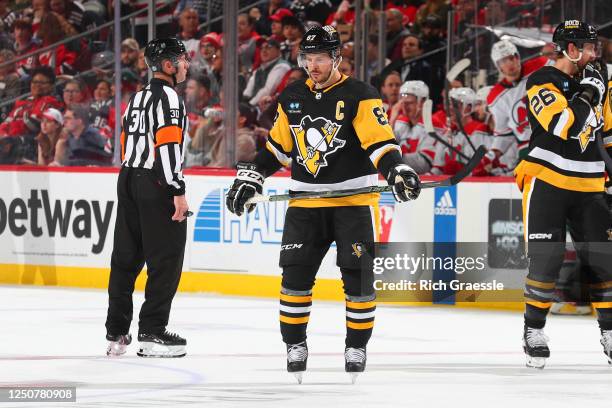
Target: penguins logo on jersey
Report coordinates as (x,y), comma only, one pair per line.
(316,140)
(588,132)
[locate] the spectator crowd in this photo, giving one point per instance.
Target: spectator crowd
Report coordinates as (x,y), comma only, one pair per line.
(57,107)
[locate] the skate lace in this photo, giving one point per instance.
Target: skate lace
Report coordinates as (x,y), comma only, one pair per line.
(536,337)
(173,336)
(354,355)
(297,352)
(606,340)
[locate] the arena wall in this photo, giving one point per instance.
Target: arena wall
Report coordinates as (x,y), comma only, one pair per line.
(56,229)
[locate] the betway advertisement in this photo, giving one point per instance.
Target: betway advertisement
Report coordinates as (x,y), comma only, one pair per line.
(56,218)
(66,217)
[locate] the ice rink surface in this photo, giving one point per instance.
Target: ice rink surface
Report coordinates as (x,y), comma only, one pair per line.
(418,357)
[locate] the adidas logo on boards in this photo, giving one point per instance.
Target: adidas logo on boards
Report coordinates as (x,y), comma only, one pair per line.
(445,205)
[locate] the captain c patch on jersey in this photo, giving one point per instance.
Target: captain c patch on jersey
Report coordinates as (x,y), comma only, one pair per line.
(316,140)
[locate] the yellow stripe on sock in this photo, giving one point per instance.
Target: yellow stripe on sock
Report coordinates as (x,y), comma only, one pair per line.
(602,285)
(538,284)
(294,320)
(295,299)
(541,305)
(360,305)
(360,326)
(602,305)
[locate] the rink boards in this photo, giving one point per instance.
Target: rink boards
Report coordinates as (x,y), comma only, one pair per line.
(56,228)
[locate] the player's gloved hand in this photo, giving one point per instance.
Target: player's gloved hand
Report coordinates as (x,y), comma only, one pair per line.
(595,80)
(405,182)
(247,183)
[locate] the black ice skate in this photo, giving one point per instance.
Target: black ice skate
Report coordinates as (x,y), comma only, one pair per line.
(118,343)
(297,355)
(606,342)
(354,361)
(535,346)
(164,344)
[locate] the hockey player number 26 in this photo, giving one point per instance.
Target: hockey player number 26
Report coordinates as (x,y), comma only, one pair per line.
(543,98)
(380,115)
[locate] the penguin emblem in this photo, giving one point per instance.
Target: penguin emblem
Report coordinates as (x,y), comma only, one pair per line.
(316,140)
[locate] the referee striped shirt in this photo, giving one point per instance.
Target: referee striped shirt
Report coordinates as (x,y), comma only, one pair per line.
(154,125)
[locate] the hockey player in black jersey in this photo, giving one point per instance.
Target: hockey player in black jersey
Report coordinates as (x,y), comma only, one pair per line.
(335,132)
(562,180)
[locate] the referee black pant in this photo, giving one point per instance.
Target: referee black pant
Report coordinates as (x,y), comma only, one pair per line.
(144,233)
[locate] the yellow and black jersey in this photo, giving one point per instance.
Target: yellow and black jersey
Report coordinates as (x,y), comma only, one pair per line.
(336,138)
(562,149)
(607,127)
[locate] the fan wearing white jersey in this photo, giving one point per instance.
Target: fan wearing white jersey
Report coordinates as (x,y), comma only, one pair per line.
(418,148)
(507,100)
(447,161)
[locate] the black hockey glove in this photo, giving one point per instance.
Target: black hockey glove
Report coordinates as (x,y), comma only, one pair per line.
(405,182)
(247,183)
(595,81)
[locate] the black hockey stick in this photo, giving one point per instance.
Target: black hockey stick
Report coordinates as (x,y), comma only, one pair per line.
(455,107)
(451,181)
(429,128)
(603,152)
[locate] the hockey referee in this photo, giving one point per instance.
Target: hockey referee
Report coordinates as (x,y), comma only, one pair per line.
(152,207)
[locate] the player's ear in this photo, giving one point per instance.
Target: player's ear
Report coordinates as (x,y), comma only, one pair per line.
(167,66)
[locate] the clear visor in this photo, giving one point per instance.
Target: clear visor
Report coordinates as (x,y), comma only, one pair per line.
(319,58)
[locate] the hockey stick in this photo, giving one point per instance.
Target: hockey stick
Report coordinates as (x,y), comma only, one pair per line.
(456,69)
(451,181)
(603,152)
(429,128)
(451,75)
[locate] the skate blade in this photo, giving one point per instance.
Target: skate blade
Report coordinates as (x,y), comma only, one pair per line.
(153,350)
(298,376)
(536,362)
(116,349)
(353,377)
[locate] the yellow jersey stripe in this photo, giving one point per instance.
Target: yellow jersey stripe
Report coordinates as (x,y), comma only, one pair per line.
(585,184)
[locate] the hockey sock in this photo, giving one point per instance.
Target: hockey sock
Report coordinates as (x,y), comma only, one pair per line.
(538,298)
(602,302)
(359,320)
(294,314)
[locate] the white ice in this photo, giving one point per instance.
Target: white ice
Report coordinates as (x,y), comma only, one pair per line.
(418,357)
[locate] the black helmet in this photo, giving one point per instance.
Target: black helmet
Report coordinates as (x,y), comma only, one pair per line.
(163,48)
(320,39)
(573,31)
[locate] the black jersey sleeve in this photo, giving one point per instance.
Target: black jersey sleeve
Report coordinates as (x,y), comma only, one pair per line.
(551,107)
(279,145)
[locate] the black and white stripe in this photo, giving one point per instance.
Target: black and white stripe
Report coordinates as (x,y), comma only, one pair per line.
(149,111)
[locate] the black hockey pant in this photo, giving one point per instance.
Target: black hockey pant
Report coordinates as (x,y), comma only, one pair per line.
(144,233)
(547,210)
(307,236)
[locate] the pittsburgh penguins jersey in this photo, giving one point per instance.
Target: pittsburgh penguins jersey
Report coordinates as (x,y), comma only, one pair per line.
(562,149)
(335,138)
(607,127)
(508,103)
